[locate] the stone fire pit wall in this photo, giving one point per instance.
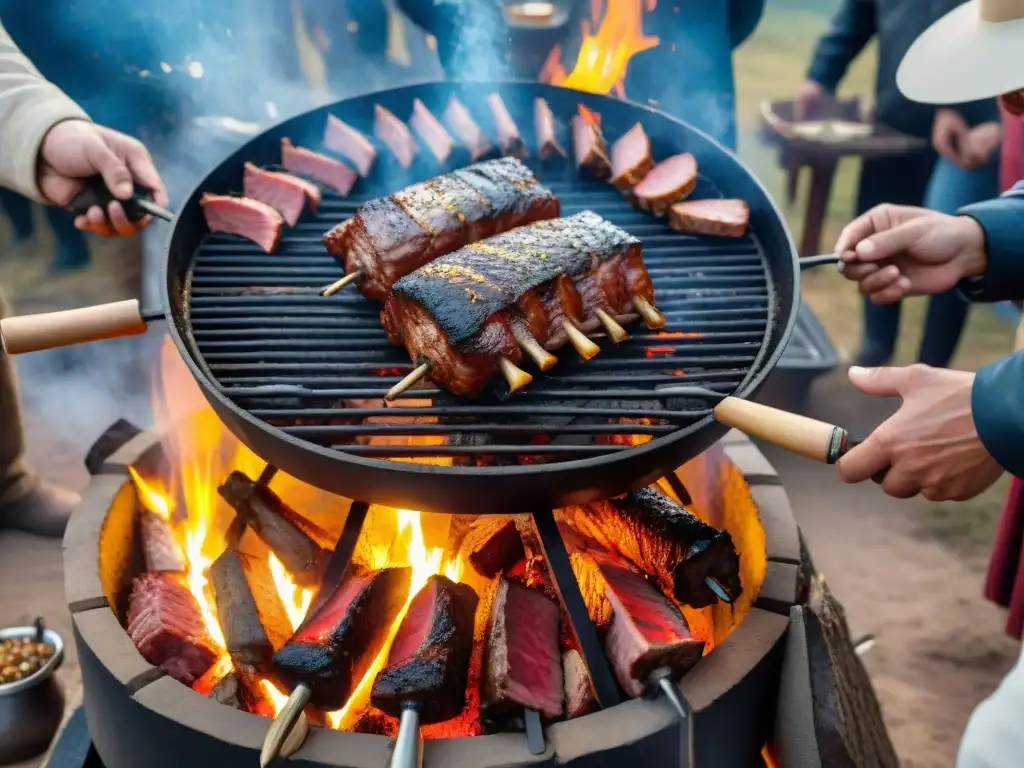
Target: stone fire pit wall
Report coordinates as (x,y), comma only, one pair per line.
(140,717)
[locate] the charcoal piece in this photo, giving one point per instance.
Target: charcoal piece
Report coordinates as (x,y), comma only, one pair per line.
(648,632)
(249,609)
(375,723)
(663,539)
(277,524)
(428,663)
(230,692)
(332,649)
(579,688)
(493,545)
(522,662)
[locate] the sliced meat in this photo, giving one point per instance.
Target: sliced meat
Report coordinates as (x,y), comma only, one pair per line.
(332,173)
(283,192)
(428,663)
(160,548)
(589,145)
(648,631)
(665,540)
(593,589)
(579,688)
(466,129)
(523,664)
(277,524)
(722,218)
(668,182)
(434,135)
(492,545)
(395,134)
(509,138)
(631,159)
(166,626)
(244,217)
(342,138)
(544,123)
(336,645)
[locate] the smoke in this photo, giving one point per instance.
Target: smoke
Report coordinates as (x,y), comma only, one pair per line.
(480,39)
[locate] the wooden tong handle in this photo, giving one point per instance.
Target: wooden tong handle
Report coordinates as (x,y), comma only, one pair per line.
(50,330)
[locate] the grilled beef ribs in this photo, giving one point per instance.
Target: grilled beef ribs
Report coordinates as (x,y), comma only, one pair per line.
(522,664)
(249,609)
(722,218)
(342,138)
(668,182)
(579,688)
(244,217)
(631,159)
(277,524)
(492,545)
(509,138)
(431,131)
(544,124)
(391,236)
(458,311)
(332,649)
(466,129)
(589,146)
(663,539)
(166,626)
(332,173)
(160,550)
(283,192)
(395,134)
(429,659)
(647,633)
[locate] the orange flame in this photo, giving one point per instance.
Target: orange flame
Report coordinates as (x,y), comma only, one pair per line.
(589,116)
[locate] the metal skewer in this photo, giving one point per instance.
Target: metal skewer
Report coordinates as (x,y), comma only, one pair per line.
(584,346)
(336,286)
(653,318)
(534,732)
(287,729)
(616,332)
(408,751)
(718,589)
(662,678)
(544,359)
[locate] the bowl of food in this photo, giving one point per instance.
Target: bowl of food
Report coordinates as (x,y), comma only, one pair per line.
(31,699)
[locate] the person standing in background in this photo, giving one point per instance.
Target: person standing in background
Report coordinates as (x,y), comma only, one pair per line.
(960,168)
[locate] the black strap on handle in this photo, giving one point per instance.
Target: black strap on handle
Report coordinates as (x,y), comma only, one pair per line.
(852,442)
(95,192)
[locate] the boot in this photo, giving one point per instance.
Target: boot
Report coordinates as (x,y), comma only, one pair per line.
(43,511)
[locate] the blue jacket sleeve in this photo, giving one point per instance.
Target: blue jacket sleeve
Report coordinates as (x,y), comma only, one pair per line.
(1002,220)
(852,27)
(978,112)
(744,16)
(997,404)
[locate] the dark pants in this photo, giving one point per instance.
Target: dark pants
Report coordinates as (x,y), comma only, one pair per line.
(72,249)
(918,180)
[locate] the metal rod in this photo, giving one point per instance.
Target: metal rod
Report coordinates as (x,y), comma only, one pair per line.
(408,752)
(340,558)
(664,681)
(534,732)
(266,475)
(615,331)
(409,381)
(557,558)
(679,489)
(280,730)
(718,589)
(336,286)
(152,208)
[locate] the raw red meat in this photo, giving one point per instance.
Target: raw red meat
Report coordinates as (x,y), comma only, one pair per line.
(167,628)
(509,138)
(434,135)
(579,690)
(160,549)
(342,138)
(589,145)
(544,124)
(244,217)
(631,159)
(668,182)
(523,664)
(328,171)
(723,218)
(395,134)
(469,133)
(283,192)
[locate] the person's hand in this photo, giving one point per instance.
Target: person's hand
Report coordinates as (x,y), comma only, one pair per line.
(894,251)
(76,150)
(810,93)
(983,141)
(949,136)
(930,445)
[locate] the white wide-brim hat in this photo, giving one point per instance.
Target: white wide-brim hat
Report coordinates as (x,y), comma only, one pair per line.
(973,52)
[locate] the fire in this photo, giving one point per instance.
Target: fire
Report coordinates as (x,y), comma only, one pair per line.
(295,599)
(589,116)
(152,494)
(658,351)
(605,54)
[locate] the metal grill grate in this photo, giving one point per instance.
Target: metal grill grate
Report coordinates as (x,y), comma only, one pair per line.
(318,367)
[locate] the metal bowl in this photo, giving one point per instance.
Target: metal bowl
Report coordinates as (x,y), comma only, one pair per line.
(31,709)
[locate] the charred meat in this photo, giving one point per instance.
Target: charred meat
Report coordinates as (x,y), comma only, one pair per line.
(721,218)
(429,659)
(392,236)
(244,217)
(342,138)
(466,129)
(332,173)
(522,664)
(462,310)
(589,145)
(395,134)
(668,182)
(509,138)
(631,159)
(544,124)
(433,133)
(283,192)
(160,550)
(493,545)
(661,538)
(167,627)
(332,649)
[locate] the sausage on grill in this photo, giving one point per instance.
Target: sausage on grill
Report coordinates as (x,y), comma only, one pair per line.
(391,236)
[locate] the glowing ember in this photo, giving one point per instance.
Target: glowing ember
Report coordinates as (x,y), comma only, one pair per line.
(659,351)
(677,335)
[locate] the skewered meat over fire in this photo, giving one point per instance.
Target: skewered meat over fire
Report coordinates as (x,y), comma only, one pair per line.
(466,129)
(631,159)
(589,145)
(429,128)
(509,138)
(544,124)
(342,138)
(722,218)
(160,549)
(283,192)
(395,134)
(391,236)
(332,649)
(663,539)
(468,311)
(579,690)
(668,182)
(244,217)
(332,173)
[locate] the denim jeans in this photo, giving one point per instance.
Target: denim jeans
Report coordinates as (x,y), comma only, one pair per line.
(949,189)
